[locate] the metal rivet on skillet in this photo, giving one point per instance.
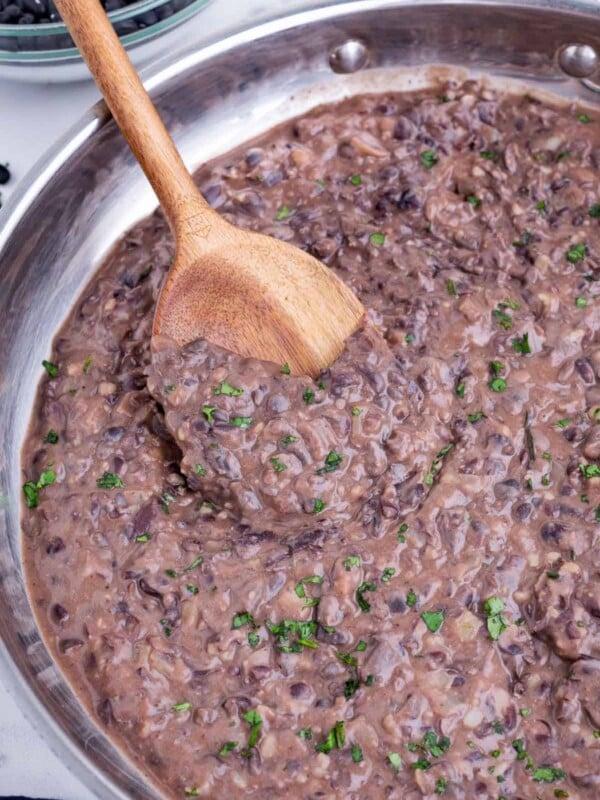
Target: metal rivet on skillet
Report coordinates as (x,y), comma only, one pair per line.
(349,57)
(578,60)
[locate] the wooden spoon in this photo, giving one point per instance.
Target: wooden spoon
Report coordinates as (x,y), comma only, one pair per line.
(249,293)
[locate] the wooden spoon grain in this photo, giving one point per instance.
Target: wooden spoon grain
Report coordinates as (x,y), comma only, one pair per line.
(252,294)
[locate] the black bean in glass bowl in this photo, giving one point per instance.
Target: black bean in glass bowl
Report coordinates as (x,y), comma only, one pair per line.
(52,36)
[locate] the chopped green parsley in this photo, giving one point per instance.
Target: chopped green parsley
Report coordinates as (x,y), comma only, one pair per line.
(576,253)
(31,489)
(590,470)
(241,422)
(209,412)
(292,636)
(241,619)
(363,603)
(308,396)
(332,462)
(496,624)
(502,318)
(395,761)
(356,753)
(335,739)
(227,389)
(521,344)
(429,158)
(433,619)
(227,748)
(318,506)
(254,719)
(548,775)
(476,417)
(283,213)
(110,480)
(51,369)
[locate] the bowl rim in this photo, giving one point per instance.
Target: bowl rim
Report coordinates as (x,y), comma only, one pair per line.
(51,30)
(55,28)
(56,156)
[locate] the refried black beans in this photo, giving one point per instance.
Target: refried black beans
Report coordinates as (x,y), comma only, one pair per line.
(383,583)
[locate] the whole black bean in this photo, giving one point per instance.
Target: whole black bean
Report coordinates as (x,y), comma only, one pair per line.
(585,370)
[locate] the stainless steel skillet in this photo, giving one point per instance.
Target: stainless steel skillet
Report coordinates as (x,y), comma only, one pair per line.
(87,191)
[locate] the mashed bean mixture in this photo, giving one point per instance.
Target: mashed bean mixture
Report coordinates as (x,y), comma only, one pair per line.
(383,583)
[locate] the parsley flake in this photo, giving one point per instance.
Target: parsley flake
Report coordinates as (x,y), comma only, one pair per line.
(241,422)
(227,389)
(433,619)
(308,396)
(363,603)
(335,739)
(496,623)
(429,158)
(227,748)
(179,707)
(241,619)
(332,462)
(209,412)
(576,253)
(318,506)
(395,761)
(356,753)
(521,344)
(283,213)
(51,369)
(110,480)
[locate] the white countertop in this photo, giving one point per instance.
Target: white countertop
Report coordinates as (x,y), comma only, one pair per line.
(33,116)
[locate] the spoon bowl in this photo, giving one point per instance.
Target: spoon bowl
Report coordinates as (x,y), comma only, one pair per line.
(251,294)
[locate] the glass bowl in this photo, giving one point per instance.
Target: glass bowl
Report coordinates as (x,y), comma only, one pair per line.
(46,52)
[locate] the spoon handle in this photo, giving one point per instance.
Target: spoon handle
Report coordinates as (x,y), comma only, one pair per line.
(135,114)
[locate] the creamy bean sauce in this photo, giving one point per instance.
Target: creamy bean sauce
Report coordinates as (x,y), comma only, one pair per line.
(383,583)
